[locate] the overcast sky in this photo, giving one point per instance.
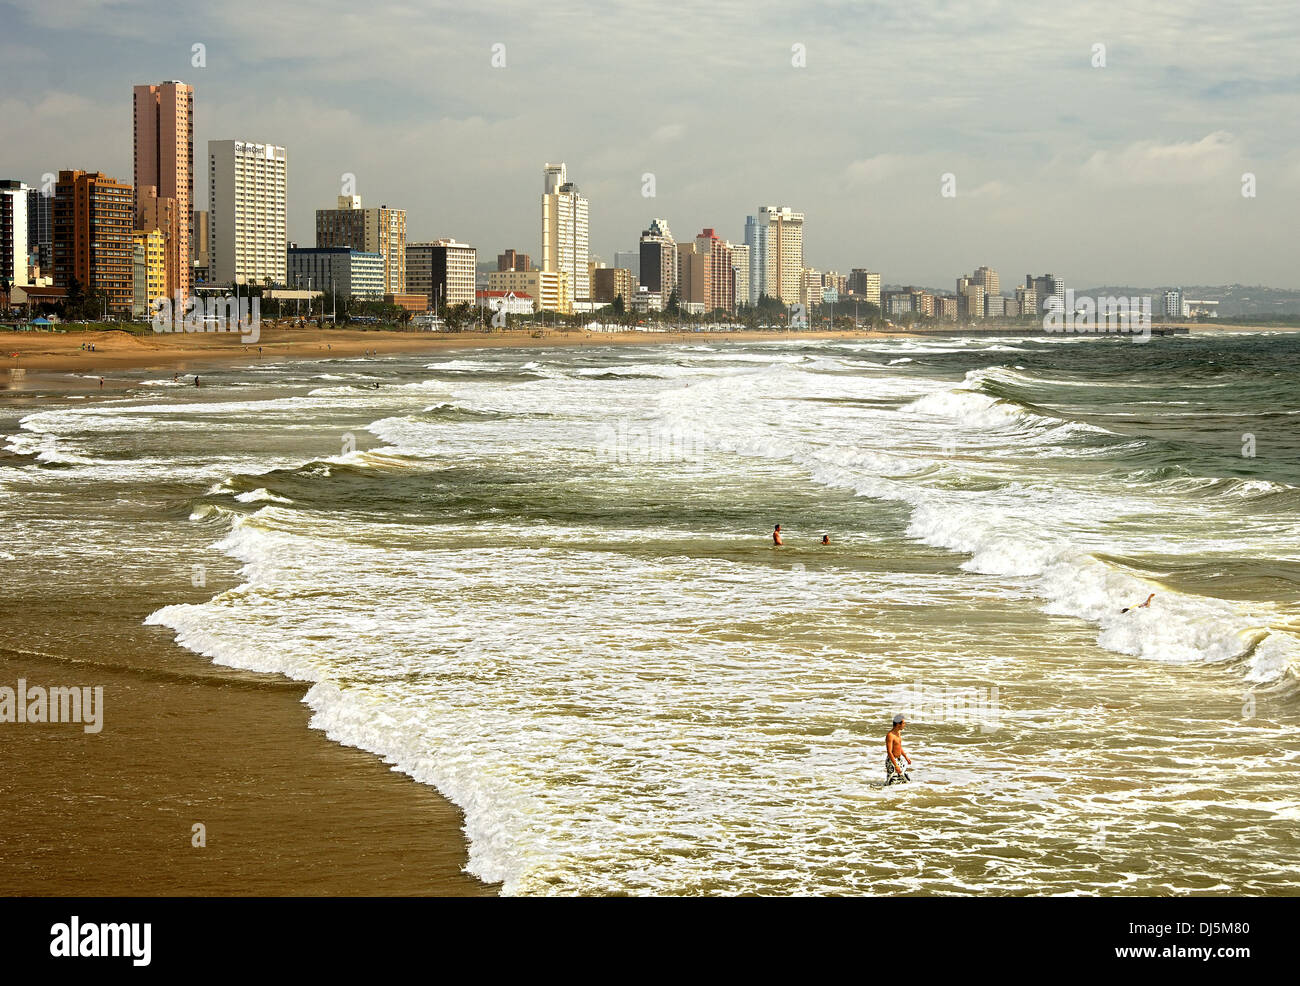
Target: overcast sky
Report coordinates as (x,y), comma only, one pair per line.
(1125,174)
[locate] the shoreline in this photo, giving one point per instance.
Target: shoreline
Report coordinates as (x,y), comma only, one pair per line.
(44,359)
(47,361)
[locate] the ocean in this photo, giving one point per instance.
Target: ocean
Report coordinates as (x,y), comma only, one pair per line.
(543,581)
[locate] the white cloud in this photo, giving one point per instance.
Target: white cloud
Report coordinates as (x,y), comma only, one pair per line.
(1148,162)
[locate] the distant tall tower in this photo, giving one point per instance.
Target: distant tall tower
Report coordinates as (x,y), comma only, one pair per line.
(775,241)
(565,231)
(164,163)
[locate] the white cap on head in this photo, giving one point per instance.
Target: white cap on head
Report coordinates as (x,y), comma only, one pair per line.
(898,718)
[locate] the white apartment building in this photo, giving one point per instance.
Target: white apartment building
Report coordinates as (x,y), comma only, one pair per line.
(565,232)
(13,232)
(248,213)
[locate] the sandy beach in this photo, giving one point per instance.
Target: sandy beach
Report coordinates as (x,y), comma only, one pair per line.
(43,356)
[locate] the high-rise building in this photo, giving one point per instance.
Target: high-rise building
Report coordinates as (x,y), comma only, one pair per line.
(810,288)
(511,260)
(40,228)
(163,120)
(565,231)
(694,278)
(336,270)
(1174,304)
(945,307)
(248,193)
(1026,300)
(608,283)
(865,283)
(1045,288)
(659,261)
(13,231)
(722,279)
(150,269)
(161,214)
(443,271)
(756,244)
(775,240)
(740,272)
(201,238)
(986,277)
(93,244)
(381,231)
(629,260)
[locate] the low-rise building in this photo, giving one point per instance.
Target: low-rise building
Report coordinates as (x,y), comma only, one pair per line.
(548,287)
(350,273)
(511,302)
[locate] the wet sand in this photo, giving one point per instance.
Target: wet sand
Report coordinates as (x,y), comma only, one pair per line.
(43,356)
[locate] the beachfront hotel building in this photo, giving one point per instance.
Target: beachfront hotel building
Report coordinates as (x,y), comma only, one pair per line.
(247,196)
(565,232)
(163,122)
(381,231)
(775,240)
(549,288)
(444,271)
(93,244)
(13,232)
(342,270)
(659,261)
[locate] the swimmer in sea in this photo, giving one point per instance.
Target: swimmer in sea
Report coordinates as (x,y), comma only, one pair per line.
(895,754)
(826,539)
(776,535)
(1145,605)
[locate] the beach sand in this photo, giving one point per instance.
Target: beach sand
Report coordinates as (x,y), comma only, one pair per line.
(45,358)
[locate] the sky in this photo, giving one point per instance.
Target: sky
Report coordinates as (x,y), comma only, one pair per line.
(850,111)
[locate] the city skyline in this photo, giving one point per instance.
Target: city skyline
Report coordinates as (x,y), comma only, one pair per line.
(1142,159)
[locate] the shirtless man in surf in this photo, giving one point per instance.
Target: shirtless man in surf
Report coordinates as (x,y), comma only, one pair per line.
(1145,605)
(776,535)
(895,754)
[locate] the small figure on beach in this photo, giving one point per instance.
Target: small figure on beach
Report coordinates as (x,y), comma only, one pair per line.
(1145,605)
(776,535)
(101,383)
(895,754)
(826,539)
(196,379)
